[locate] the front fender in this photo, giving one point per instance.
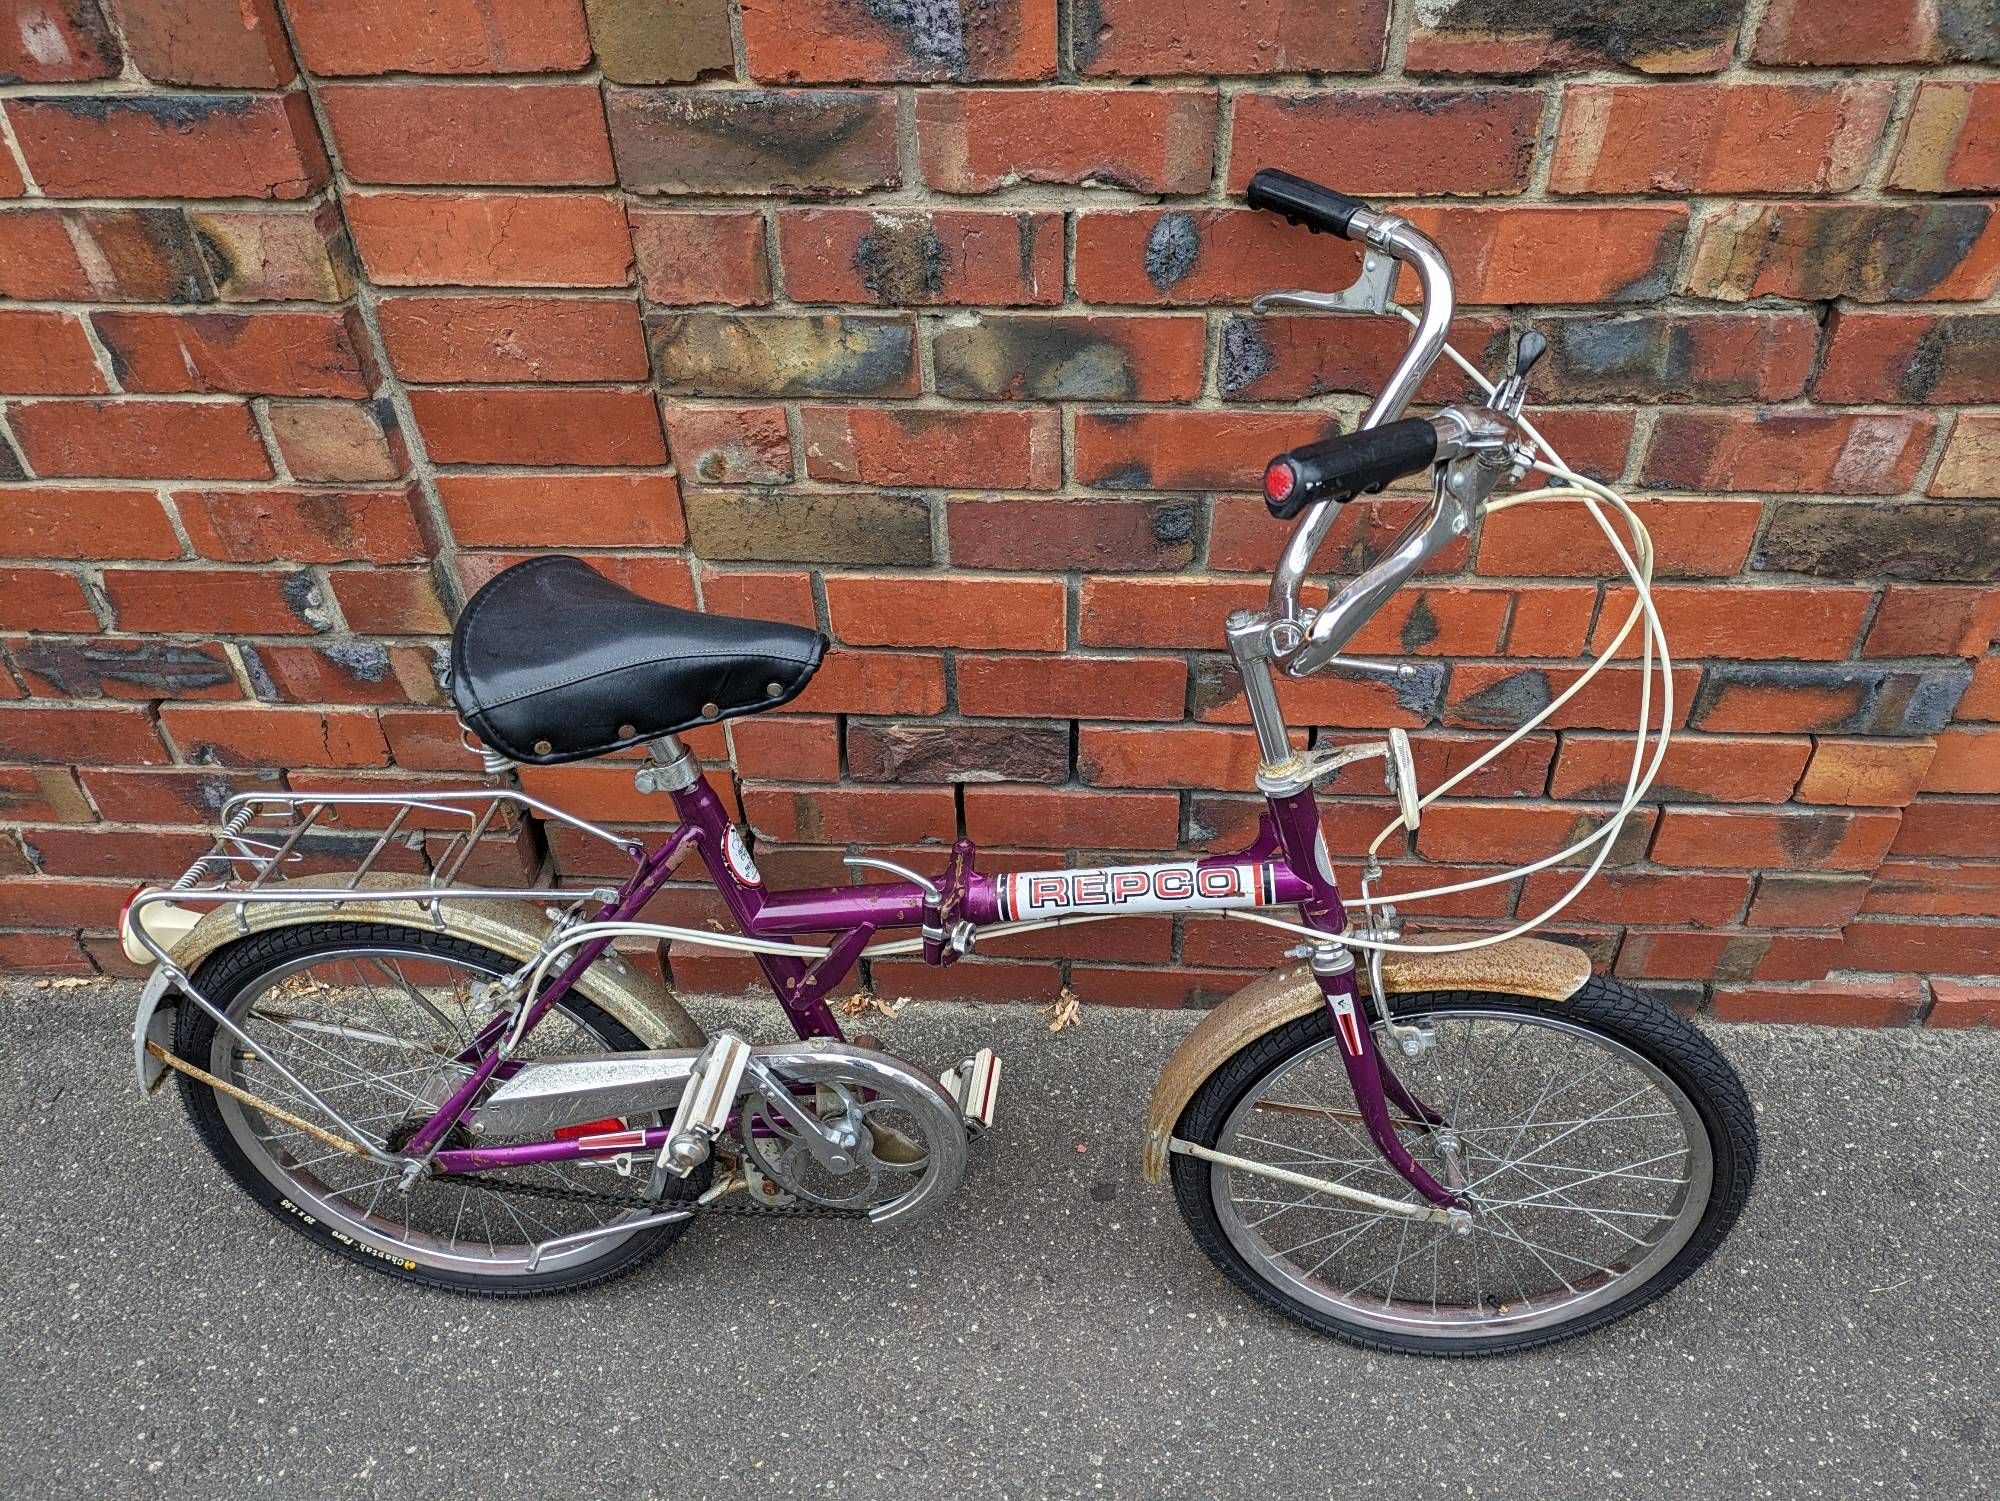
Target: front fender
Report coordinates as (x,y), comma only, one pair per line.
(648,1008)
(1520,966)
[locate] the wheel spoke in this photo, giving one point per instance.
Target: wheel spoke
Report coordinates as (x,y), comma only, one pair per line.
(1578,1154)
(382,1030)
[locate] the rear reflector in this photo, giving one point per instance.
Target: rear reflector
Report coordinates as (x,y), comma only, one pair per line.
(589,1128)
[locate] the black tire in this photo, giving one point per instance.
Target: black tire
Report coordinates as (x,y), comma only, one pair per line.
(1617,1012)
(233,971)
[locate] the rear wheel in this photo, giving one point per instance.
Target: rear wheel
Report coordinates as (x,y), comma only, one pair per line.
(1606,1144)
(372,1017)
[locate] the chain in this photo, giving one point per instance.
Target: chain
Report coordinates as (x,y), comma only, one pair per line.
(717,1207)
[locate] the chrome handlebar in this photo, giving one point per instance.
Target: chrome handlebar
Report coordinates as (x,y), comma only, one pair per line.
(1388,234)
(1476,449)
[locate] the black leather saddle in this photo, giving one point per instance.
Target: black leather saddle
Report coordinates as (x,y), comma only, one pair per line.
(553,662)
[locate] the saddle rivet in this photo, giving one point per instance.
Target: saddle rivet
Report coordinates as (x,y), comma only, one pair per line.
(775,690)
(542,747)
(627,731)
(710,711)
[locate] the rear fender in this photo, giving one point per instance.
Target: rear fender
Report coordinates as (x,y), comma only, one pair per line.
(649,1009)
(154,1024)
(1520,966)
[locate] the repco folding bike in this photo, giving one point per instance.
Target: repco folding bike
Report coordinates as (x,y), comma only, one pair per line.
(1482,1149)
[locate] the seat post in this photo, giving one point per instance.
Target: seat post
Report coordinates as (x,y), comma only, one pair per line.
(671,766)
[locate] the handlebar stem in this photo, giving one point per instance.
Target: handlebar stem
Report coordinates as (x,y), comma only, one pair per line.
(1402,241)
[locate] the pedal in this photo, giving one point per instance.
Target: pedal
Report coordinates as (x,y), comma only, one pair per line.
(706,1104)
(975,1084)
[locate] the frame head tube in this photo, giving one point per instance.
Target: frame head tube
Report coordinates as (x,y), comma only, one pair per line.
(1406,244)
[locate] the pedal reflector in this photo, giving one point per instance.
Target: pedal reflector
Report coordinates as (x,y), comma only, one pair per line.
(975,1084)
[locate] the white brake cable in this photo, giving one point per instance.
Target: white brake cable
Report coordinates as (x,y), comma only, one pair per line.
(1574,487)
(1640,778)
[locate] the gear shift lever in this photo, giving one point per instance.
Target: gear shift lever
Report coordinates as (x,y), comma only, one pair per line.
(1512,393)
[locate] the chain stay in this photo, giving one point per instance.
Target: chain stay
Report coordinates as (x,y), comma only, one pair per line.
(716,1207)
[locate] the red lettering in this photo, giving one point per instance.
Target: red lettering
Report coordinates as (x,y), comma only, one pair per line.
(1047,890)
(1090,888)
(1173,884)
(1219,880)
(1126,884)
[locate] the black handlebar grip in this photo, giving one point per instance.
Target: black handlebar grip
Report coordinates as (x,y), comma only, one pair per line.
(1303,202)
(1344,467)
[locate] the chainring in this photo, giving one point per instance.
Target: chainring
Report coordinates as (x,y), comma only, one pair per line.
(888,1160)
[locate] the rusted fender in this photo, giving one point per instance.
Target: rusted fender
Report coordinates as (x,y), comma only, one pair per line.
(650,1009)
(1520,966)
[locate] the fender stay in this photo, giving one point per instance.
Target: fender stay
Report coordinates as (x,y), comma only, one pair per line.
(1520,966)
(650,1009)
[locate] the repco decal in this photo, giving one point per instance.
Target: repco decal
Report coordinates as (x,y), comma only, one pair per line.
(1180,887)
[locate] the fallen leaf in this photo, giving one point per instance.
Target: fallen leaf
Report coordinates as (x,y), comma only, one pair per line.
(1066,1012)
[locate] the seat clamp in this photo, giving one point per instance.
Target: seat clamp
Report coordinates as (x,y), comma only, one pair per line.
(673,767)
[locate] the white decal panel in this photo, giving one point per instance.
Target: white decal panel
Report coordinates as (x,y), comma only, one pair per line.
(1180,887)
(737,853)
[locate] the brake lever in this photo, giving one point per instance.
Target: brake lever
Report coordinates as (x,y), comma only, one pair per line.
(1370,292)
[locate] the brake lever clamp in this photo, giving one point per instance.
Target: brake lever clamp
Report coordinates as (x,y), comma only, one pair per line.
(1479,448)
(1307,767)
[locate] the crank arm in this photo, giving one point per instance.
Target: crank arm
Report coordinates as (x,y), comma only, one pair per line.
(832,1145)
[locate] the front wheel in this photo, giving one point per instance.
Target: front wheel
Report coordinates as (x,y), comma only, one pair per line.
(1606,1145)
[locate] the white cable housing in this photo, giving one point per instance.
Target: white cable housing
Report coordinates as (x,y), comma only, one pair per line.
(1639,570)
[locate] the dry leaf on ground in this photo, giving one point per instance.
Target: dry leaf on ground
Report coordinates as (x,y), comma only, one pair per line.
(1066,1012)
(863,1001)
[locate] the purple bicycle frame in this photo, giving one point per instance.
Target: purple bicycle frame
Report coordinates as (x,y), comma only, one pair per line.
(1285,865)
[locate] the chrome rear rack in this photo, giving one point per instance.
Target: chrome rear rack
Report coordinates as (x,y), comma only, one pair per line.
(264,834)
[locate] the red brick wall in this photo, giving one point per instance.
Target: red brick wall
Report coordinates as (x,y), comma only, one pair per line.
(925,323)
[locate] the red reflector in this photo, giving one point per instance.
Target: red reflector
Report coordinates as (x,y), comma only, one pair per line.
(589,1128)
(1278,481)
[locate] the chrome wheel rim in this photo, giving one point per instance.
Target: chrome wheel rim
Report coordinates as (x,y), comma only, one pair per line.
(1585,1191)
(374,1029)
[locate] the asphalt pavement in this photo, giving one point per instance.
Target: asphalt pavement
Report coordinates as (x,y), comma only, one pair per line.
(1057,1334)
